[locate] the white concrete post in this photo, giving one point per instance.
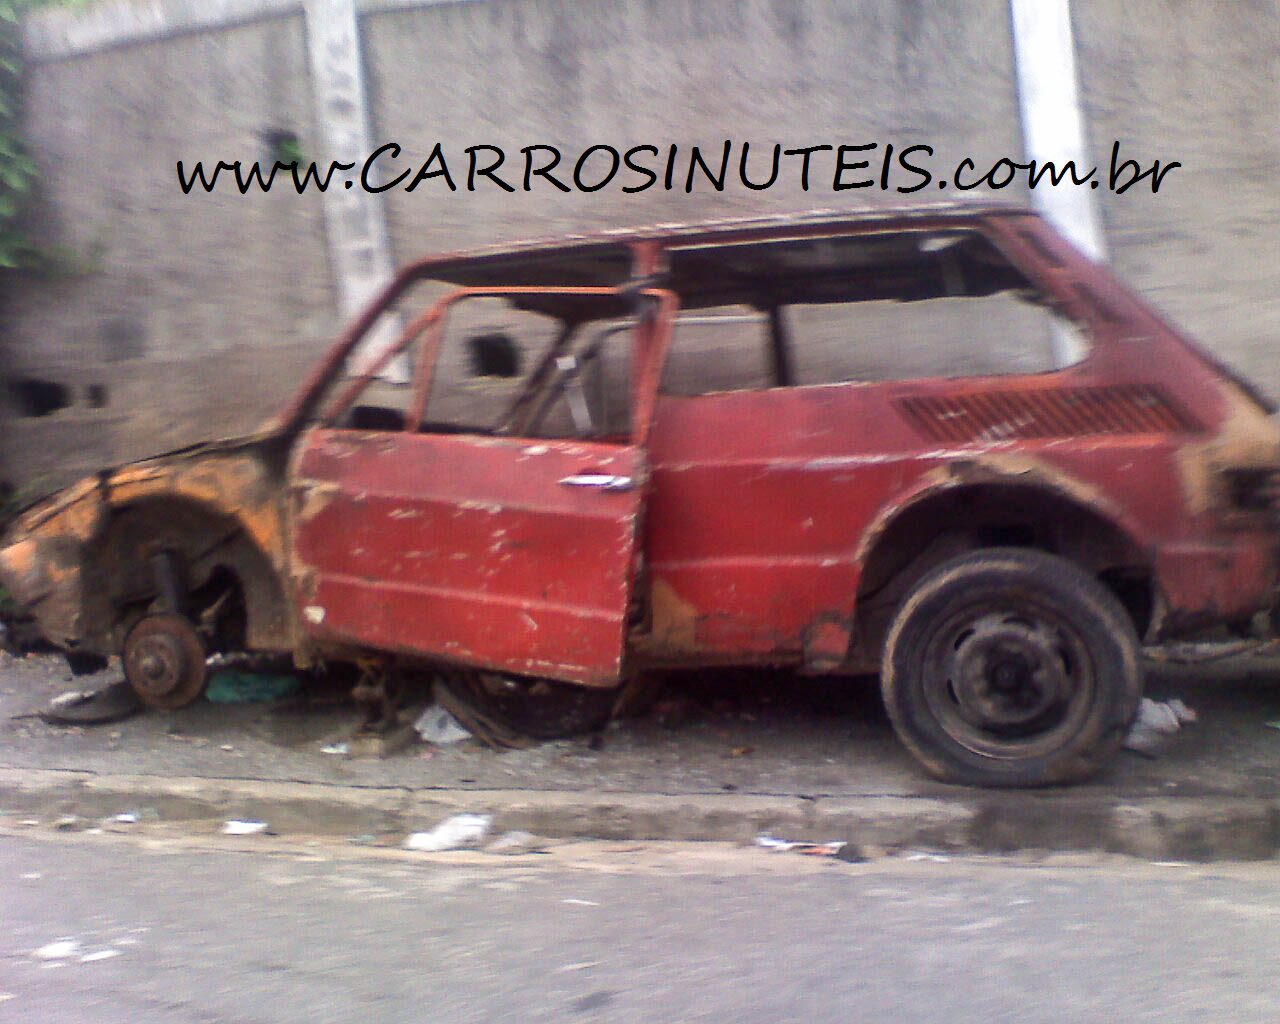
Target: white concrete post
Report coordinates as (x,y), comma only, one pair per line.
(1052,117)
(355,220)
(1053,129)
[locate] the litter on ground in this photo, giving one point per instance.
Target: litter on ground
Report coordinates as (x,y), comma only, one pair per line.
(460,832)
(1156,721)
(437,725)
(59,949)
(238,687)
(827,849)
(245,828)
(113,703)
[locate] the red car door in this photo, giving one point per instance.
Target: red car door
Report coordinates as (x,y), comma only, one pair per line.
(509,553)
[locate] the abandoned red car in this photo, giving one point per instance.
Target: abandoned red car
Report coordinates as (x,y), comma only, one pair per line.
(932,441)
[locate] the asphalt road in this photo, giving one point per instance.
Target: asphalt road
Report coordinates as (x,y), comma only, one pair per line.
(180,931)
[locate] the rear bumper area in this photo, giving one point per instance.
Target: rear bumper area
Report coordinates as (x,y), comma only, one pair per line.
(1224,580)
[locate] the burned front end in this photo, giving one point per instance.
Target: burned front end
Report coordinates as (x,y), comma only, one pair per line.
(198,530)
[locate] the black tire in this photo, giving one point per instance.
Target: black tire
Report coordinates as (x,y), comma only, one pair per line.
(1010,667)
(541,709)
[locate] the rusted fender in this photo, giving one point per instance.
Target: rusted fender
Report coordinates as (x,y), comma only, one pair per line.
(43,553)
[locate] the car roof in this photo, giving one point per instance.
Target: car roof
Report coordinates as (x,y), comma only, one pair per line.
(600,255)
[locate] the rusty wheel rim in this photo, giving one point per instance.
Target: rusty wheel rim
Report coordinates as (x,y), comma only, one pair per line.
(164,661)
(1009,680)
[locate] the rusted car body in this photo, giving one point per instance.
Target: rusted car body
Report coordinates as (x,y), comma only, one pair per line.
(781,524)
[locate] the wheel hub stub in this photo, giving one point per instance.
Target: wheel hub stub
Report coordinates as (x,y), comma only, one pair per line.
(164,661)
(1008,675)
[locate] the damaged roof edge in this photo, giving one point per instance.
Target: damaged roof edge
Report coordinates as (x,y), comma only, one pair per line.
(694,231)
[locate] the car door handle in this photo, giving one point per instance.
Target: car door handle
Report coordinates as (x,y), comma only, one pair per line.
(603,481)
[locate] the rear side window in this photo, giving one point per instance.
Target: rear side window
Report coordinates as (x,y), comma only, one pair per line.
(880,306)
(944,337)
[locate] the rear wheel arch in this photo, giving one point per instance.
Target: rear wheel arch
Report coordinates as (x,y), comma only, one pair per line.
(950,521)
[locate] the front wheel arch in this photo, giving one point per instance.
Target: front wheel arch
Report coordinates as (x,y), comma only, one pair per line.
(214,551)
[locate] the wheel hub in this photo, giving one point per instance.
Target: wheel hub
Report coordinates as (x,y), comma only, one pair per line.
(164,661)
(1008,675)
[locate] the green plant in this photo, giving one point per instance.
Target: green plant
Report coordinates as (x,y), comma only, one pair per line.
(17,169)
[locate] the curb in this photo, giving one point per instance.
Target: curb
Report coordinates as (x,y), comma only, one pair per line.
(1155,828)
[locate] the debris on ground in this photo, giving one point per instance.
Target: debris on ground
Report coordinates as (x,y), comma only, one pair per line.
(59,949)
(460,832)
(245,828)
(236,686)
(510,713)
(1156,721)
(516,842)
(831,848)
(113,703)
(335,748)
(70,697)
(464,697)
(438,725)
(66,823)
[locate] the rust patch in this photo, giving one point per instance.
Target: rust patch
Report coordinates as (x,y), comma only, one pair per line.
(1016,464)
(674,619)
(47,545)
(18,560)
(1246,439)
(826,642)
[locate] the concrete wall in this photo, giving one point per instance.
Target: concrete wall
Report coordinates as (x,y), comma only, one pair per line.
(570,74)
(1196,82)
(190,313)
(200,312)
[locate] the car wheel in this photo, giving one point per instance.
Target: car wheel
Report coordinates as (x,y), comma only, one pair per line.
(541,709)
(1011,667)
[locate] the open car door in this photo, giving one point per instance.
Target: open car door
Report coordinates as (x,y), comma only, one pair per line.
(505,540)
